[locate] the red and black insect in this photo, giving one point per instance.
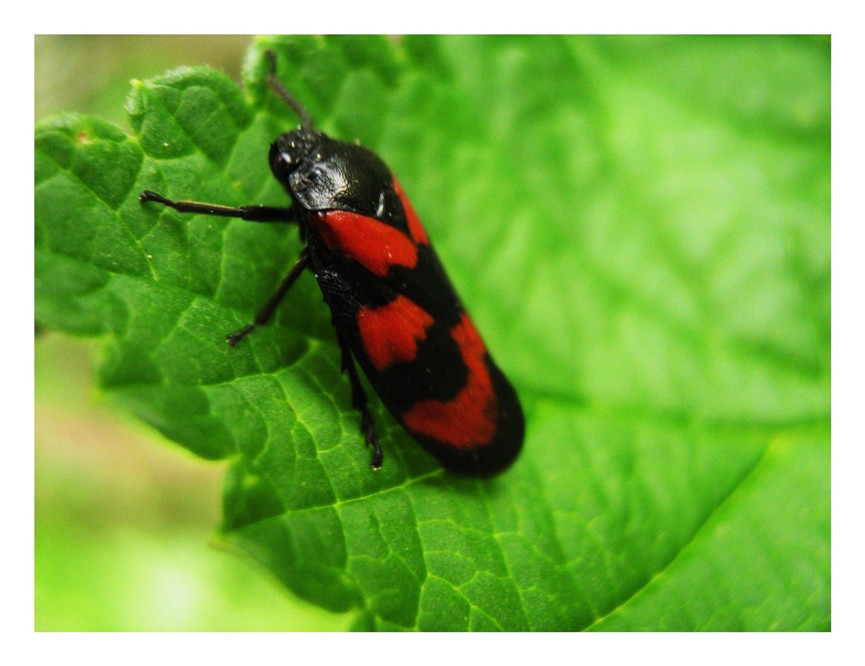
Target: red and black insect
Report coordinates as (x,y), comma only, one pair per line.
(392,304)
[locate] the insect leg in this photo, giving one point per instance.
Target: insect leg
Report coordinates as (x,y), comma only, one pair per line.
(269,308)
(359,402)
(249,213)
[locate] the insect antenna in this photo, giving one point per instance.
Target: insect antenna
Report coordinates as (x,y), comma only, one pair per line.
(282,91)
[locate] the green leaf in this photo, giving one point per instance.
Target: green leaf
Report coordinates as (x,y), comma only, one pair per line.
(640,228)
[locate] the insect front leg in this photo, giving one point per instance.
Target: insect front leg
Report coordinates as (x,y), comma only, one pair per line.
(359,402)
(248,213)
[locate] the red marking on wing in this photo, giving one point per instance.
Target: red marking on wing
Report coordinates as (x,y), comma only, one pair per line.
(470,419)
(390,333)
(373,244)
(415,228)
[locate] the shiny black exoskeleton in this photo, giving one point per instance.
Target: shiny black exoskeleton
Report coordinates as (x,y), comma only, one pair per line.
(429,362)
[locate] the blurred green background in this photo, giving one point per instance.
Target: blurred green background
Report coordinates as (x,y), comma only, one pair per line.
(122,514)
